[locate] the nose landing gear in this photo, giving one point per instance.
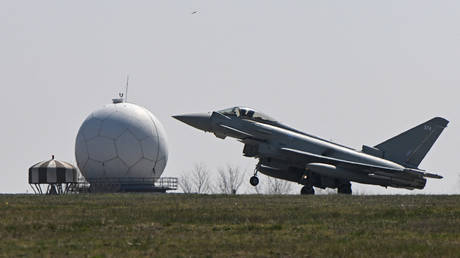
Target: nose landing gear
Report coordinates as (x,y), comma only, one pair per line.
(254,180)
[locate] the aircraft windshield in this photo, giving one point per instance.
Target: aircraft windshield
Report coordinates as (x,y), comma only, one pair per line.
(246,113)
(230,111)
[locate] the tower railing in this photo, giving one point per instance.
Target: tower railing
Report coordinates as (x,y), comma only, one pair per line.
(156,183)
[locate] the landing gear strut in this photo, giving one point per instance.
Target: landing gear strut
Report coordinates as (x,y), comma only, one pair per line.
(254,180)
(307,189)
(344,188)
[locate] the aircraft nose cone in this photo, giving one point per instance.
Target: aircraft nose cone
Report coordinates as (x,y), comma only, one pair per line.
(200,121)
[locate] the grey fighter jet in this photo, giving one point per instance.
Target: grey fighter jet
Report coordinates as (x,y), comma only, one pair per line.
(286,153)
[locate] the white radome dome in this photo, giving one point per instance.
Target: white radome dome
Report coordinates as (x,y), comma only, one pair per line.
(121,140)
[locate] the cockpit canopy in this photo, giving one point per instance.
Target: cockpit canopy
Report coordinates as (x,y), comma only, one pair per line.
(247,113)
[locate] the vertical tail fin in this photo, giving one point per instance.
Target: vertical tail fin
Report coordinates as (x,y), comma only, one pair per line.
(410,147)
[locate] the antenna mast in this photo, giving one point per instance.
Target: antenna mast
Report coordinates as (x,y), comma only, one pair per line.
(127,84)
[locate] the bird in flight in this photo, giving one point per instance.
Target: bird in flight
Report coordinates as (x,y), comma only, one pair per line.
(194,12)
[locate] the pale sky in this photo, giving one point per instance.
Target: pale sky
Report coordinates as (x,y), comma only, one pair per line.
(356,72)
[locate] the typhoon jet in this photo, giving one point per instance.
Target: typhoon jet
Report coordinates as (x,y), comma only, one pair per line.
(286,153)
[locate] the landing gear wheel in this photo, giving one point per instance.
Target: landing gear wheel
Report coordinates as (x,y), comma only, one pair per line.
(307,190)
(254,181)
(344,189)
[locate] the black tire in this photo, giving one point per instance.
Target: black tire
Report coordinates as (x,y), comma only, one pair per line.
(254,181)
(307,190)
(344,189)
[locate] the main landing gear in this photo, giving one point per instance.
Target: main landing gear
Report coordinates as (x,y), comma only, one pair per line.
(344,188)
(254,180)
(307,189)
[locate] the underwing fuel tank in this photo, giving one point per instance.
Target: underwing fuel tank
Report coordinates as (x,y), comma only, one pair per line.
(328,170)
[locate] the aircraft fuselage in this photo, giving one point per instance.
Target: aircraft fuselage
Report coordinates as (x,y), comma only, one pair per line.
(290,154)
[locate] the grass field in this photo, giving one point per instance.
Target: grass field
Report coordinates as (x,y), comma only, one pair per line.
(125,225)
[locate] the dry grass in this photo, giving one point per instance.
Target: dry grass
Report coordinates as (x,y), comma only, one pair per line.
(219,225)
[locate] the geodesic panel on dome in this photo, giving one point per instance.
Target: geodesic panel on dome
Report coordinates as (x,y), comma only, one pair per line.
(101,149)
(91,127)
(128,112)
(114,126)
(142,168)
(115,168)
(104,113)
(93,169)
(129,148)
(141,126)
(162,136)
(160,166)
(163,148)
(150,148)
(81,153)
(141,130)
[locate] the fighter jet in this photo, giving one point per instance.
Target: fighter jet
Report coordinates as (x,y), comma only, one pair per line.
(286,153)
